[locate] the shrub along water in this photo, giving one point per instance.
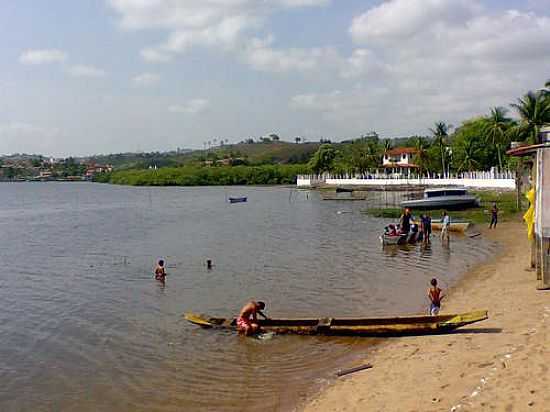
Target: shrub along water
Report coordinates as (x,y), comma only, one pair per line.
(206,176)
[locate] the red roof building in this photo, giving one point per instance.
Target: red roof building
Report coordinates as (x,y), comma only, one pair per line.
(400,158)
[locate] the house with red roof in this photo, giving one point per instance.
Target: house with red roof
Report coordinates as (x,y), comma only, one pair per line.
(400,159)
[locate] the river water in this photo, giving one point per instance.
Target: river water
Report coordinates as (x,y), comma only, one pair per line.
(85,327)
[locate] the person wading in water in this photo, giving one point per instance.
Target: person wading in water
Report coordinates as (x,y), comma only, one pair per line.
(435,294)
(160,272)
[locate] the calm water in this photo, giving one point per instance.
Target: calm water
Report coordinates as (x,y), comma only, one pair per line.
(83,326)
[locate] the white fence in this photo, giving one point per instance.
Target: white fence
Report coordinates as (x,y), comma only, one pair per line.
(482,180)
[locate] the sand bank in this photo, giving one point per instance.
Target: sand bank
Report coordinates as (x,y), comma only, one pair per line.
(500,364)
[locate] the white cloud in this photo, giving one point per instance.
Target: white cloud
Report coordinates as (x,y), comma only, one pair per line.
(434,60)
(23,137)
(80,70)
(154,56)
(191,107)
(146,79)
(42,56)
(230,25)
(260,55)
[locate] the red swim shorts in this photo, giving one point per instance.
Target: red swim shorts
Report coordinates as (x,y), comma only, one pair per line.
(243,323)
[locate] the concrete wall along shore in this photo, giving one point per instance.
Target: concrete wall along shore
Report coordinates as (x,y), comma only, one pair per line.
(478,180)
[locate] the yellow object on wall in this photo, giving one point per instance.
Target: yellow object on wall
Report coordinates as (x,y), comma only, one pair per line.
(529,216)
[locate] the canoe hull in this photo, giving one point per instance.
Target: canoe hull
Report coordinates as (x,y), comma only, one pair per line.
(395,326)
(454,227)
(446,202)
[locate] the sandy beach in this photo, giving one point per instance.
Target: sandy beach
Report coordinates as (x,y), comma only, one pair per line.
(500,364)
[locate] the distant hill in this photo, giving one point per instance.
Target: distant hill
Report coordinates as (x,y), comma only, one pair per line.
(267,153)
(251,153)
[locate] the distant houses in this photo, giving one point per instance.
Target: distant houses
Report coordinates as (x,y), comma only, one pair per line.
(92,169)
(39,168)
(400,160)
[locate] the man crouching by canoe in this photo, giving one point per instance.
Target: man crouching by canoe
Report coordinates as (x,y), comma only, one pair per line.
(247,322)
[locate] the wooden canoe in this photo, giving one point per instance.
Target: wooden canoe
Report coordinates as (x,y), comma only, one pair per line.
(454,227)
(388,326)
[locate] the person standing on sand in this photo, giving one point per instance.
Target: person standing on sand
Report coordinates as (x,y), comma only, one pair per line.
(494,216)
(247,322)
(435,294)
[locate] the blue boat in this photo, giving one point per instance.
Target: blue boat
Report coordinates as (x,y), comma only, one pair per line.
(237,199)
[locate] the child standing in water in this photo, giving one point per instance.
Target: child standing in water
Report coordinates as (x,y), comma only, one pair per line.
(435,294)
(160,272)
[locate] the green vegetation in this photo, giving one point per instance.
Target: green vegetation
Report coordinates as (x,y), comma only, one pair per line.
(479,143)
(506,202)
(205,176)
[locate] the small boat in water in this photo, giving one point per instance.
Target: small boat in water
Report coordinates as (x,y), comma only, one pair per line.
(237,199)
(385,326)
(388,240)
(392,235)
(443,198)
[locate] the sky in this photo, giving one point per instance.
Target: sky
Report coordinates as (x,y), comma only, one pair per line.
(104,76)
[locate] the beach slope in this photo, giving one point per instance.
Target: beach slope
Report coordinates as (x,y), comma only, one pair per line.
(499,364)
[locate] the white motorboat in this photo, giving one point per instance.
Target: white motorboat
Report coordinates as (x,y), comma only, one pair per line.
(443,198)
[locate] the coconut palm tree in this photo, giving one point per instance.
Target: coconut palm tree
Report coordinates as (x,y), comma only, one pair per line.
(469,152)
(441,132)
(421,158)
(534,112)
(495,130)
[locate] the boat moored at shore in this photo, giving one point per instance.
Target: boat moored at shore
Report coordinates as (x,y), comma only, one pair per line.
(385,326)
(443,198)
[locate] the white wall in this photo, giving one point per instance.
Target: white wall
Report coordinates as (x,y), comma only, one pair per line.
(509,184)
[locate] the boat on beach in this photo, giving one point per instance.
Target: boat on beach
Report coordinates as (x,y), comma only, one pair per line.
(443,198)
(238,199)
(384,326)
(460,226)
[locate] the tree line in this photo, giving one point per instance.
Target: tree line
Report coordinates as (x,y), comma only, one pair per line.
(479,143)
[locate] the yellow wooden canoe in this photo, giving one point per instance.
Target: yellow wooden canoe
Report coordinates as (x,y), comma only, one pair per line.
(386,326)
(454,226)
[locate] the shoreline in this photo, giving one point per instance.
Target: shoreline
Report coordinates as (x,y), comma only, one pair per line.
(496,364)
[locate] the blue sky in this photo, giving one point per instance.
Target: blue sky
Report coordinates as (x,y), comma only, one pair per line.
(99,76)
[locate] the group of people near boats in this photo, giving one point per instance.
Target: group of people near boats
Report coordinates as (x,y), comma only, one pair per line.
(420,229)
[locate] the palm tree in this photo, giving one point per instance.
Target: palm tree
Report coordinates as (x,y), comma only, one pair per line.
(387,145)
(495,130)
(469,150)
(440,132)
(534,112)
(421,158)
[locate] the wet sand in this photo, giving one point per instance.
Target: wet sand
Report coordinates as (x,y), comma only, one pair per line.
(500,364)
